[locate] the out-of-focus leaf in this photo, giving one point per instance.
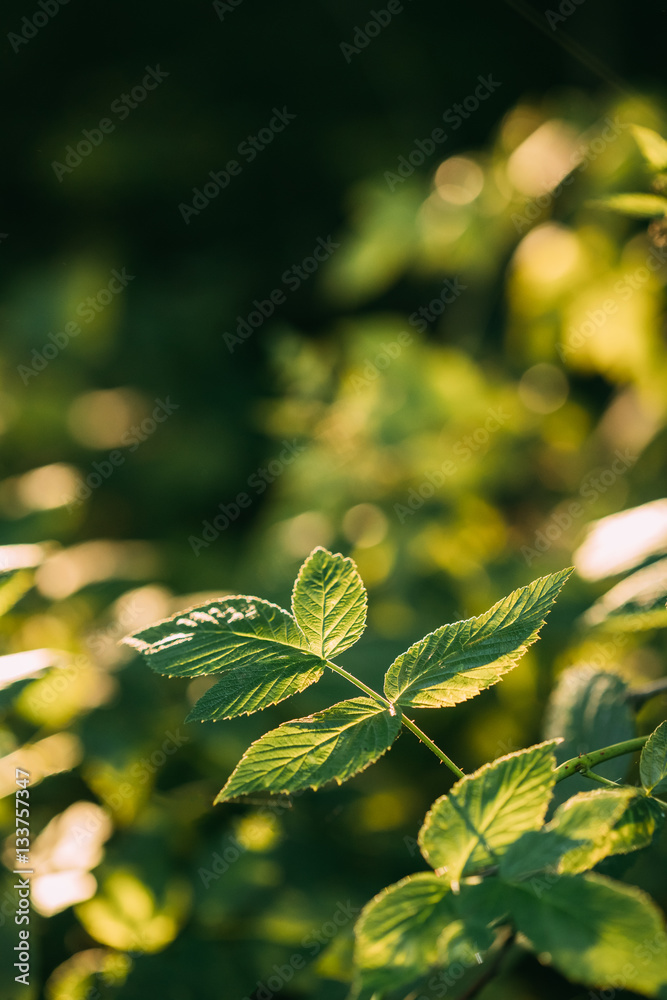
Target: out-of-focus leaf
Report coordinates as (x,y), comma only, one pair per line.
(652,145)
(458,661)
(397,933)
(653,762)
(329,602)
(592,930)
(643,206)
(622,541)
(634,604)
(606,821)
(587,708)
(485,812)
(332,745)
(13,586)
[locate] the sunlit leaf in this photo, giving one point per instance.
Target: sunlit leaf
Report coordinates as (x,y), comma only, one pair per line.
(227,634)
(653,147)
(329,602)
(13,586)
(595,931)
(534,851)
(256,686)
(653,762)
(621,542)
(604,821)
(458,661)
(332,745)
(397,933)
(635,604)
(471,827)
(643,206)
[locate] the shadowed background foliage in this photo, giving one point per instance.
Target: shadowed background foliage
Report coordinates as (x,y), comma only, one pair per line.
(469,372)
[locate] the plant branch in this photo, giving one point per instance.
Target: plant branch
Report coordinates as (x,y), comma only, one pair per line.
(490,970)
(360,684)
(408,723)
(585,761)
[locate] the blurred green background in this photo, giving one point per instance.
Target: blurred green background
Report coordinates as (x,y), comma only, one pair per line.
(430,392)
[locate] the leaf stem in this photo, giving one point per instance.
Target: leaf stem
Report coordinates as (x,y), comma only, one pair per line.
(360,684)
(585,761)
(598,777)
(408,723)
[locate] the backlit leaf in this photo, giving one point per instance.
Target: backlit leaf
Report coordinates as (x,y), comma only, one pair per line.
(240,692)
(329,602)
(597,932)
(223,635)
(397,933)
(458,661)
(332,745)
(653,147)
(471,827)
(642,206)
(653,762)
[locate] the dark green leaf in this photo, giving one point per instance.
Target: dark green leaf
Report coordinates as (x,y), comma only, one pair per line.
(587,708)
(595,931)
(534,851)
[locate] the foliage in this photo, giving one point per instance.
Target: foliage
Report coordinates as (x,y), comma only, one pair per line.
(499,869)
(460,385)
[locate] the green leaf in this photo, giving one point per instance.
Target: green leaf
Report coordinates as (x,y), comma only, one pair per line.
(13,585)
(595,931)
(332,745)
(222,635)
(465,941)
(329,602)
(471,827)
(653,147)
(642,206)
(458,661)
(635,604)
(534,851)
(587,828)
(240,692)
(635,828)
(397,933)
(588,709)
(591,817)
(653,762)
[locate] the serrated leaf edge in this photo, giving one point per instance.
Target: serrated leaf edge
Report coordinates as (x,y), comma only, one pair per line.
(519,652)
(302,568)
(309,718)
(478,773)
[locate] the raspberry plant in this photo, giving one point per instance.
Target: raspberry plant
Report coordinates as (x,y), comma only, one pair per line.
(503,876)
